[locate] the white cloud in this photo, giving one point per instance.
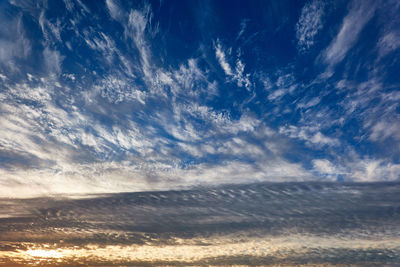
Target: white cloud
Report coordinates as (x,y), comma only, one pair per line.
(53,60)
(73,151)
(14,43)
(384,129)
(144,127)
(114,9)
(70,76)
(157,166)
(106,47)
(135,29)
(220,54)
(117,90)
(187,79)
(310,134)
(368,170)
(374,105)
(243,25)
(358,169)
(51,31)
(325,168)
(23,91)
(276,94)
(241,78)
(237,75)
(359,14)
(309,24)
(136,24)
(284,84)
(389,43)
(310,103)
(109,177)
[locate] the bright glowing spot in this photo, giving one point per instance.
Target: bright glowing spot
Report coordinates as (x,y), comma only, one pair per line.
(40,253)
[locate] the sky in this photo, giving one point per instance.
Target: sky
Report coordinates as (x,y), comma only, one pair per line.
(121,96)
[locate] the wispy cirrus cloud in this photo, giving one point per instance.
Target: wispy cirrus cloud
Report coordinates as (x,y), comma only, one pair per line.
(353,23)
(98,138)
(98,111)
(14,44)
(220,54)
(384,129)
(237,73)
(389,43)
(310,134)
(117,89)
(115,10)
(309,24)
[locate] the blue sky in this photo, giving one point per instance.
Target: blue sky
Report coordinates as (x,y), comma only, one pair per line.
(112,96)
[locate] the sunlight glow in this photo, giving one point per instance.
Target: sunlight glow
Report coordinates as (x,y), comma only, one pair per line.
(40,253)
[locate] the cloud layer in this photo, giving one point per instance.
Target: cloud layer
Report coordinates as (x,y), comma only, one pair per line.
(124,97)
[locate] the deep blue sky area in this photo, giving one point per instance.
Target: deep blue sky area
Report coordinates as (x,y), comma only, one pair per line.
(116,96)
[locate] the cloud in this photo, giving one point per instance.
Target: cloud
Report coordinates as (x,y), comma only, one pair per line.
(353,23)
(114,9)
(285,83)
(243,26)
(325,168)
(73,151)
(389,43)
(53,60)
(367,170)
(220,54)
(241,78)
(14,44)
(373,103)
(358,169)
(309,103)
(310,134)
(135,29)
(124,177)
(238,75)
(117,89)
(309,24)
(384,129)
(51,31)
(107,115)
(107,49)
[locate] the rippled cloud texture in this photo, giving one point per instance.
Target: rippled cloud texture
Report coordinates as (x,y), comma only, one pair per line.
(263,224)
(112,96)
